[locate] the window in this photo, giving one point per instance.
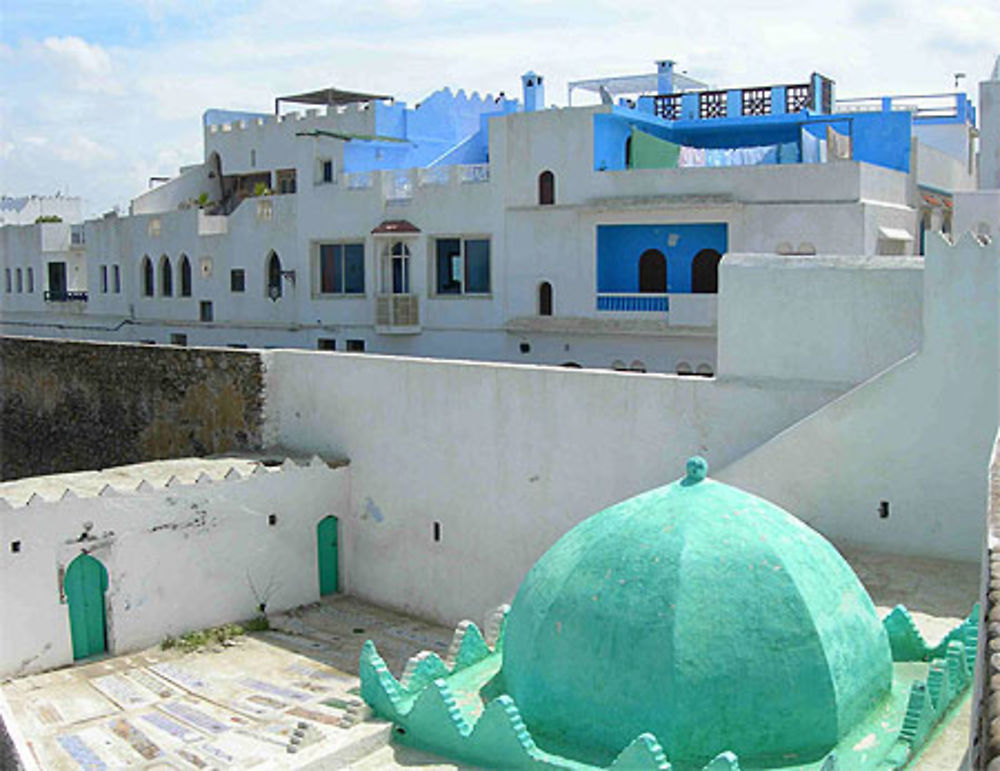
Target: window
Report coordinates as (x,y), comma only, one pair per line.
(147,277)
(546,188)
(653,272)
(545,299)
(177,338)
(154,227)
(342,268)
(285,179)
(356,346)
(57,280)
(104,279)
(6,280)
(116,274)
(274,276)
(166,277)
(463,266)
(396,268)
(185,268)
(237,280)
(205,310)
(326,344)
(19,277)
(324,171)
(253,159)
(31,280)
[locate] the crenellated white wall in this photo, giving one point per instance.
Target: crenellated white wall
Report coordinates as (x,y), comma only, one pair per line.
(179,558)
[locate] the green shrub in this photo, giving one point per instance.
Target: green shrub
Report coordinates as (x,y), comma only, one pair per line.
(48,218)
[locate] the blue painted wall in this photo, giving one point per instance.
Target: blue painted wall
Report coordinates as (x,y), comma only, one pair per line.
(880,138)
(619,248)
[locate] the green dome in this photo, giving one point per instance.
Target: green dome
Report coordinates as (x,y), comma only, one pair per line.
(703,614)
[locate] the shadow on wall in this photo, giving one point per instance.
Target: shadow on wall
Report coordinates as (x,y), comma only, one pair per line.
(67,406)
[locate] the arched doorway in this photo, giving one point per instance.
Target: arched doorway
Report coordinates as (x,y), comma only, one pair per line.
(326,544)
(274,276)
(545,299)
(653,272)
(705,272)
(85,583)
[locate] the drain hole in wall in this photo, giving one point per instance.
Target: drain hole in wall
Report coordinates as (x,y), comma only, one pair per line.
(401,731)
(883,509)
(358,630)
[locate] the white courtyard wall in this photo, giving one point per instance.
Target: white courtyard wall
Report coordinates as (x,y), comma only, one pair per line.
(834,319)
(979,212)
(917,436)
(178,559)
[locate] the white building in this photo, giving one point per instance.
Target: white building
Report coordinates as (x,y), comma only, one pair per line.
(26,209)
(481,228)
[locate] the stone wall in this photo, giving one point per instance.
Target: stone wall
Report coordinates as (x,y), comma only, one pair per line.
(67,406)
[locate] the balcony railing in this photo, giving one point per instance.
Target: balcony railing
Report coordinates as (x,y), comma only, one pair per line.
(397,313)
(816,96)
(927,106)
(622,301)
(472,173)
(64,296)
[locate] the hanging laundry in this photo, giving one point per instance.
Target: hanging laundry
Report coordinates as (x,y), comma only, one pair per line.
(649,152)
(691,157)
(838,145)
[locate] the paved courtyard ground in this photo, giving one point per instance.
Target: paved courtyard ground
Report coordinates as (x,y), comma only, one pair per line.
(288,698)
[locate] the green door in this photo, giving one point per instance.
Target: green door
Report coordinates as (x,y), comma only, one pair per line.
(85,585)
(326,538)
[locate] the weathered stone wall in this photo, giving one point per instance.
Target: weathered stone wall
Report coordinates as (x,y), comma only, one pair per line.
(67,406)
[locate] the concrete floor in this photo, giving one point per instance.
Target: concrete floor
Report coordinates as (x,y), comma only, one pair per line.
(246,705)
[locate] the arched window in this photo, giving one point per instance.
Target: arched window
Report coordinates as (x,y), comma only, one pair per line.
(166,277)
(185,269)
(705,370)
(545,299)
(546,188)
(20,281)
(705,272)
(274,276)
(653,272)
(147,277)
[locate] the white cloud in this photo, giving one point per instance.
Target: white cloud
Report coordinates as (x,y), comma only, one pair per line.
(87,66)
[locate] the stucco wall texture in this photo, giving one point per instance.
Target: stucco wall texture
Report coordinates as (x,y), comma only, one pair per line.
(67,406)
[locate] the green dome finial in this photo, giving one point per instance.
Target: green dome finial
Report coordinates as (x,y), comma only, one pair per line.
(697,470)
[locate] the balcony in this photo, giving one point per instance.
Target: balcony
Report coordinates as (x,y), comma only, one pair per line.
(397,314)
(64,296)
(816,96)
(679,309)
(633,302)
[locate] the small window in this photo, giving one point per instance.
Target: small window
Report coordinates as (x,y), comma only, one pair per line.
(104,279)
(463,266)
(705,370)
(437,532)
(116,274)
(8,286)
(326,344)
(253,159)
(285,181)
(205,310)
(166,277)
(272,520)
(545,299)
(15,547)
(274,276)
(177,338)
(342,269)
(546,188)
(883,509)
(185,269)
(356,346)
(20,280)
(154,227)
(237,280)
(31,280)
(147,277)
(327,171)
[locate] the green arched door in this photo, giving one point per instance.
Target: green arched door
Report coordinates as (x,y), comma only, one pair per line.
(326,539)
(85,584)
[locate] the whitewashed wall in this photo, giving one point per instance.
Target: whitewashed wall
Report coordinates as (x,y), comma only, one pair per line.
(917,435)
(178,558)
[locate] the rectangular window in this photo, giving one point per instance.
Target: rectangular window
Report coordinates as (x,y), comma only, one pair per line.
(116,274)
(326,344)
(104,279)
(342,268)
(6,280)
(205,310)
(327,167)
(177,338)
(237,280)
(31,280)
(356,346)
(463,266)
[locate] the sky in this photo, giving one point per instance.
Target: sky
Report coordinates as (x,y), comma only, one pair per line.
(97,96)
